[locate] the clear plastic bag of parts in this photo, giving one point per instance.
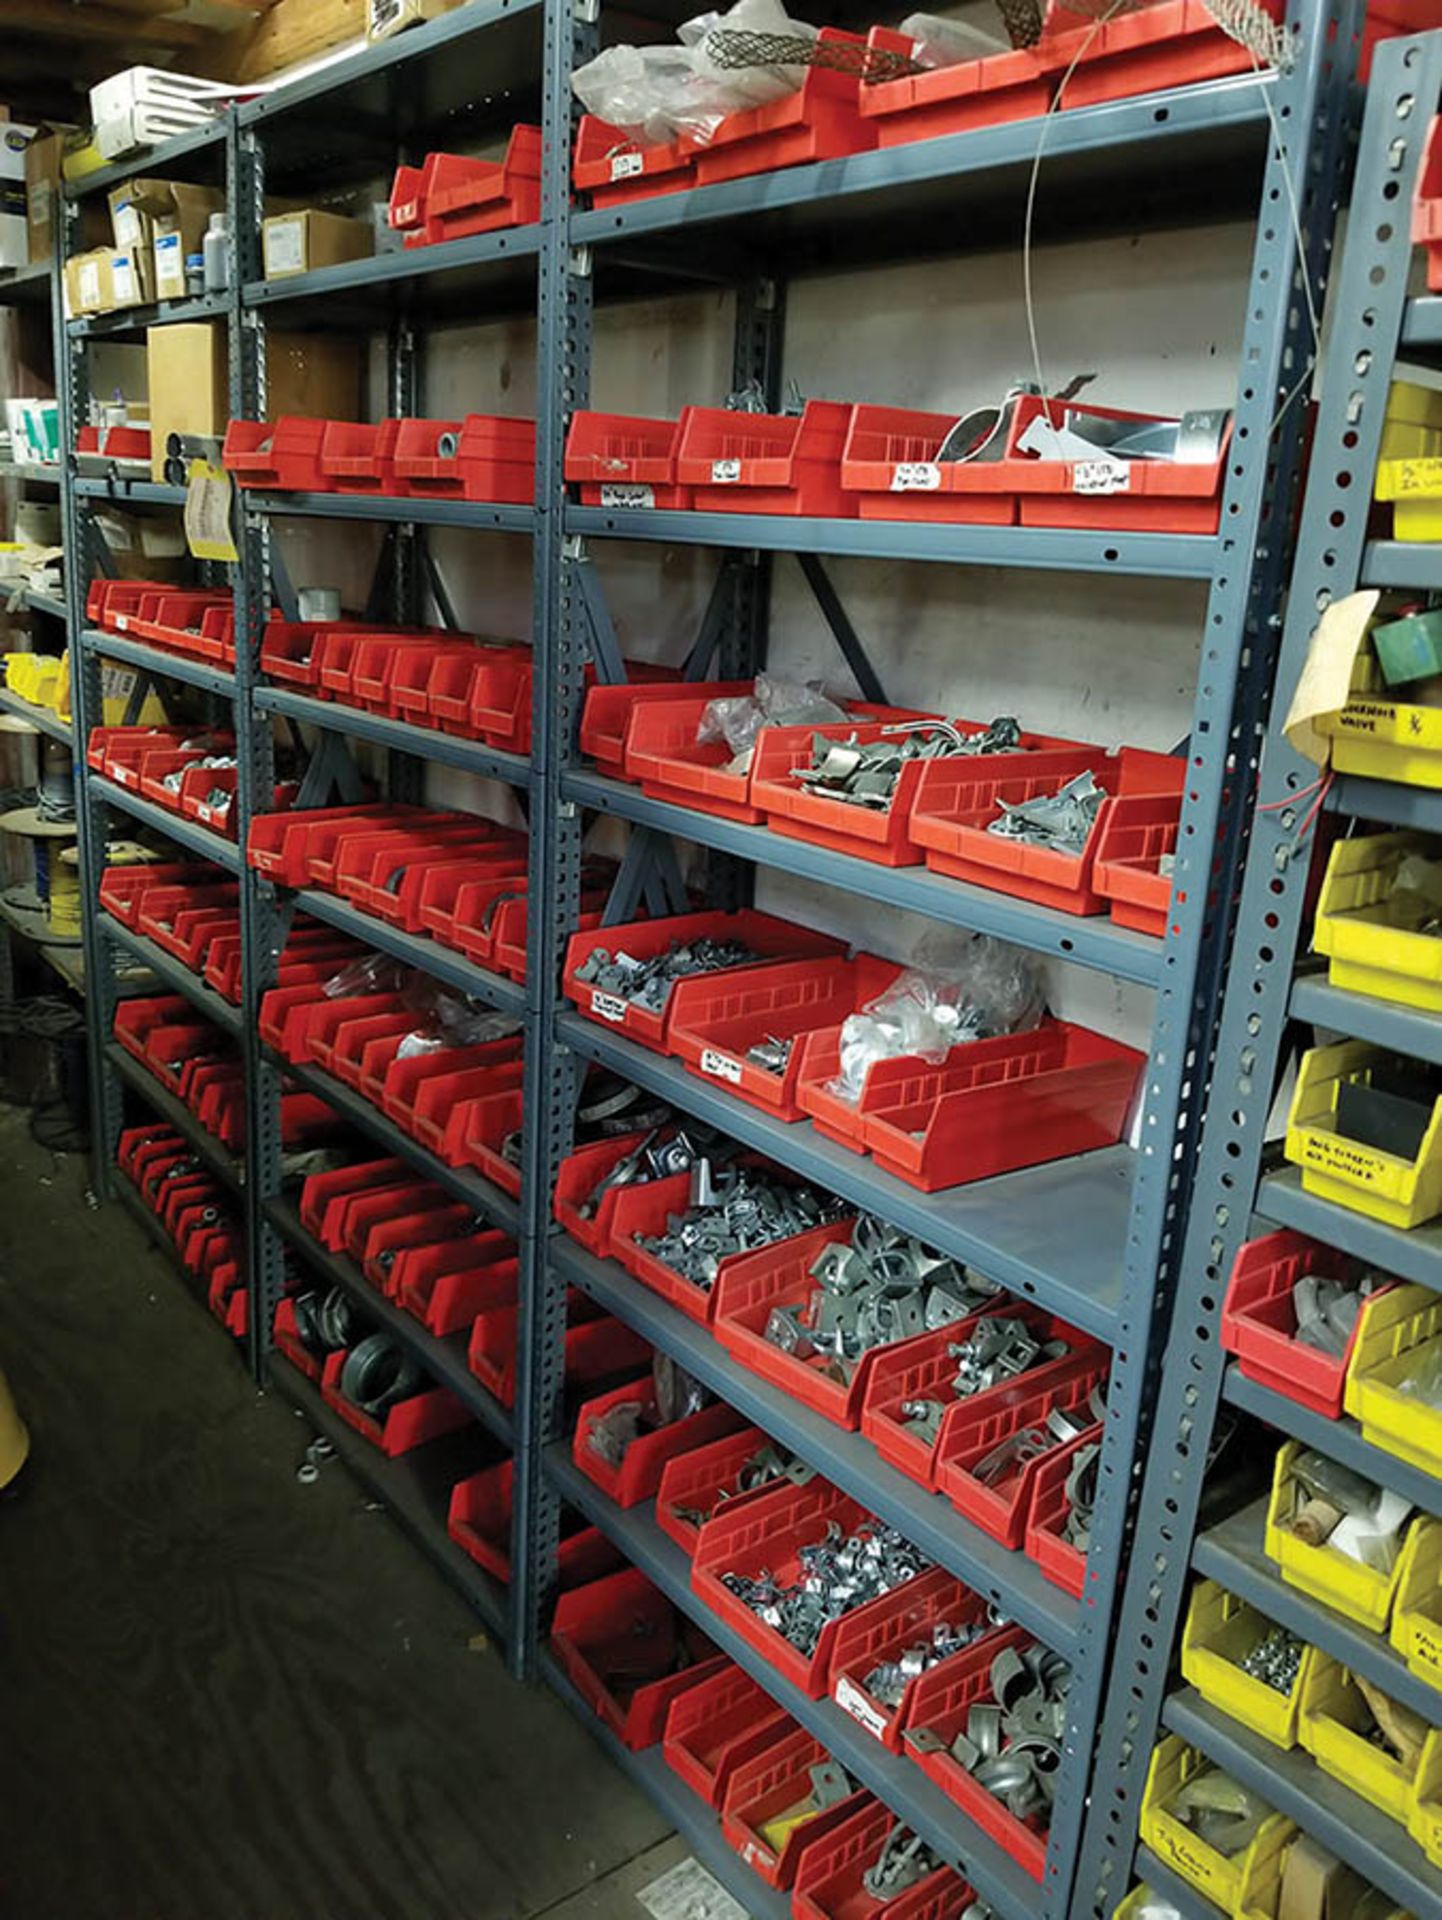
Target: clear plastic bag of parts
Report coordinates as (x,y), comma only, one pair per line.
(775,703)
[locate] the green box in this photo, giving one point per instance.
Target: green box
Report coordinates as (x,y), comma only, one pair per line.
(1409,649)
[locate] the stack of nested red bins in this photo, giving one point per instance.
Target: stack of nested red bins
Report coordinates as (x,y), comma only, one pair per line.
(480,1520)
(452,196)
(282,455)
(606,715)
(1002,86)
(194,622)
(189,1204)
(957,800)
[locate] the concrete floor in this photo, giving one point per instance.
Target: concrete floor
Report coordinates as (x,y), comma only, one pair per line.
(223,1693)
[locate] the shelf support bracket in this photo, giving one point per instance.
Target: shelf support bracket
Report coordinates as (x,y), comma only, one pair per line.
(847,638)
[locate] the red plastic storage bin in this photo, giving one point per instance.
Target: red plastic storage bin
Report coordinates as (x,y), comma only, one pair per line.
(956,801)
(281,846)
(761,933)
(1139,830)
(107,602)
(477,1131)
(290,1343)
(620,460)
(639,1473)
(447,1284)
(629,1653)
(1259,1324)
(480,1524)
(766,462)
(1171,43)
(765,1534)
(889,464)
(703,1480)
(940,1704)
(458,196)
(172,619)
(284,454)
(428,1415)
(831,1872)
(715,1726)
(905,1618)
(610,166)
(1063,1564)
(780,1276)
(716,1019)
(320,1189)
(599,1350)
(821,120)
(484,457)
(606,715)
(773,1781)
(970,1432)
(124,890)
(580,1174)
(359,458)
(1015,85)
(922,1369)
(1427,209)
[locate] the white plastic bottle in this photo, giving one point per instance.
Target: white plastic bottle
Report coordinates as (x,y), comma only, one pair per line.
(217,255)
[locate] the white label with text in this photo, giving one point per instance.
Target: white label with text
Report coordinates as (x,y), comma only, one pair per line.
(721,1066)
(625,165)
(608,1007)
(916,476)
(1101,476)
(852,1700)
(724,471)
(617,493)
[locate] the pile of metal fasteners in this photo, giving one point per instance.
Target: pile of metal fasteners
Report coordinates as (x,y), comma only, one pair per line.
(324,1323)
(1061,821)
(735,1210)
(1008,1457)
(378,1374)
(1219,1810)
(1011,1744)
(653,1158)
(865,773)
(887,1682)
(885,1286)
(1081,1495)
(1327,1309)
(996,1349)
(759,1469)
(647,983)
(834,1576)
(904,1859)
(1275,1660)
(608,1107)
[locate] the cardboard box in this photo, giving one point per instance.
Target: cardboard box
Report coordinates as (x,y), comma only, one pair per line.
(43,159)
(385,17)
(189,385)
(14,230)
(180,230)
(300,242)
(132,277)
(89,287)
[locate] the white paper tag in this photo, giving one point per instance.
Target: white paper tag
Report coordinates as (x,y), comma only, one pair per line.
(284,246)
(122,277)
(608,1007)
(169,265)
(852,1700)
(624,166)
(1101,476)
(88,284)
(127,225)
(617,493)
(723,471)
(916,476)
(688,1892)
(122,623)
(205,810)
(721,1066)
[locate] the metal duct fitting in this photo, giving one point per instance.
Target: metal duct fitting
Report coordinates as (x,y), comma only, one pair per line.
(448,446)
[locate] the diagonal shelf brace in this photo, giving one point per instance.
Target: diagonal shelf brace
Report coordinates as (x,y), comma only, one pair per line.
(846,636)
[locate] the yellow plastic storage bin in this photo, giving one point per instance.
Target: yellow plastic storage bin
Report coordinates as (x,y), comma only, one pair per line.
(1401,1193)
(1361,1593)
(1220,1632)
(1330,1726)
(1417,1604)
(1366,952)
(1227,1882)
(1412,429)
(1381,738)
(32,676)
(1414,487)
(1424,1817)
(1402,1326)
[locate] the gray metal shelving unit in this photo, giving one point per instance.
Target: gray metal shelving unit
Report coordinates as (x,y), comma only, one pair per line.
(1235,1197)
(1096,1238)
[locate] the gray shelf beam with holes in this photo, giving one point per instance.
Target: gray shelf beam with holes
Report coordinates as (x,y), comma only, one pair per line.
(180,152)
(415,950)
(127,491)
(172,973)
(185,833)
(1410,1255)
(159,663)
(476,514)
(221,1162)
(425,743)
(1386,1023)
(1008,1579)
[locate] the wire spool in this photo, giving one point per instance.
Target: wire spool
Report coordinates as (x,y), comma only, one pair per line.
(57,782)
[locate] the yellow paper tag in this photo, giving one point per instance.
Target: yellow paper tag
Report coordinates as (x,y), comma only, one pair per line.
(207,512)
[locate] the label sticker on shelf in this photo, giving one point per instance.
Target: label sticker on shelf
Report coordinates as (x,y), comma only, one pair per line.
(624,166)
(608,1007)
(618,493)
(916,476)
(723,471)
(721,1066)
(852,1700)
(1101,476)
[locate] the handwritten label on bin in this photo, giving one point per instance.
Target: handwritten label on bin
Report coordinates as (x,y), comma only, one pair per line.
(618,493)
(915,476)
(1101,476)
(720,1066)
(852,1700)
(607,1007)
(624,166)
(725,471)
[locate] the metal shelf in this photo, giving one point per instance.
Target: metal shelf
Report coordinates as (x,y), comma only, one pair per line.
(497,270)
(1375,1846)
(465,1184)
(170,313)
(153,161)
(172,973)
(1053,1234)
(1010,1580)
(185,833)
(1403,563)
(1171,1886)
(697,1823)
(414,1488)
(157,661)
(1386,1023)
(1176,556)
(410,512)
(1232,1554)
(159,1239)
(416,950)
(48,603)
(1387,801)
(128,492)
(444,1360)
(1341,1438)
(30,473)
(221,1162)
(44,718)
(891,1777)
(1413,1255)
(1422,324)
(426,743)
(1090,942)
(26,286)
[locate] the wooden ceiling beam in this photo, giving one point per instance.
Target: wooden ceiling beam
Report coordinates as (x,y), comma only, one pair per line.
(93,24)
